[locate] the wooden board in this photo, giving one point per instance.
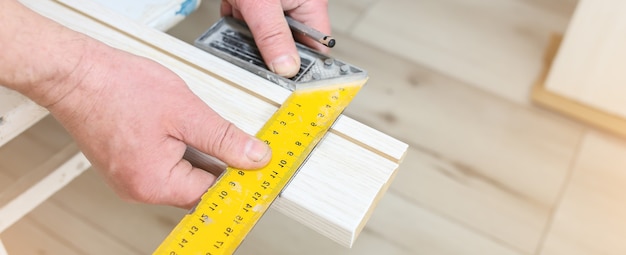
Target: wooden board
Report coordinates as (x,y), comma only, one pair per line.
(248,100)
(17,113)
(32,182)
(589,67)
(38,185)
(571,107)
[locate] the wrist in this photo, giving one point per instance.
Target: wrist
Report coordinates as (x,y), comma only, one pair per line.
(40,58)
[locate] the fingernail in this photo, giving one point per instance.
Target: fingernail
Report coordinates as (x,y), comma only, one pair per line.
(256,150)
(285,66)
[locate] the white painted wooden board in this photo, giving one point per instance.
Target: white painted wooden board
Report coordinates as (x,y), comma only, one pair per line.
(368,158)
(72,163)
(17,113)
(590,65)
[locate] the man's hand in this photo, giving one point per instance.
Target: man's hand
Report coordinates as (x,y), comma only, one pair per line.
(266,19)
(131,117)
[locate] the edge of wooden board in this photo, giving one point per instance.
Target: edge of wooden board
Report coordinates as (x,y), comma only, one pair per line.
(569,107)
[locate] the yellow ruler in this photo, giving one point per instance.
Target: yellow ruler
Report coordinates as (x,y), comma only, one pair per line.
(231,207)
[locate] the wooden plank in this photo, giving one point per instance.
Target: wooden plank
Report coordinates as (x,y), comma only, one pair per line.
(47,147)
(28,178)
(495,45)
(590,218)
(487,163)
(589,66)
(17,113)
(570,107)
(39,142)
(32,189)
(218,83)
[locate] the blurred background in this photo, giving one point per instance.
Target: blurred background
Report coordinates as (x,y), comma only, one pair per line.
(487,171)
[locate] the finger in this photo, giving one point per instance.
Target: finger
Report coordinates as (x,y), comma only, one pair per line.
(272,35)
(226,9)
(180,184)
(237,14)
(185,185)
(203,129)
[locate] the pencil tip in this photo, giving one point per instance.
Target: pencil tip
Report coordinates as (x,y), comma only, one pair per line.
(331,43)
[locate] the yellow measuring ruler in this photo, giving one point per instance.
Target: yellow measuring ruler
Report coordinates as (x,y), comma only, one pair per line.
(321,91)
(230,208)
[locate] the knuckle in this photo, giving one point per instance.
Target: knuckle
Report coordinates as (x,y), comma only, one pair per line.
(225,135)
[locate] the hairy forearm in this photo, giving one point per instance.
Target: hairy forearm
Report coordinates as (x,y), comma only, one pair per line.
(39,57)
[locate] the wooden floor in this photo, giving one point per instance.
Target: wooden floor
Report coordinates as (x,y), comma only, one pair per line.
(487,171)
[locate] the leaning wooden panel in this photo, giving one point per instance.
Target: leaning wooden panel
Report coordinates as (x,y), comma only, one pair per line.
(570,107)
(589,67)
(334,192)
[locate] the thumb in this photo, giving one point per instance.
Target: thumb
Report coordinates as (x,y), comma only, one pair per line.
(272,35)
(215,136)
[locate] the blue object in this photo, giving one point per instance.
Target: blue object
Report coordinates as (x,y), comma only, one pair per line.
(187,7)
